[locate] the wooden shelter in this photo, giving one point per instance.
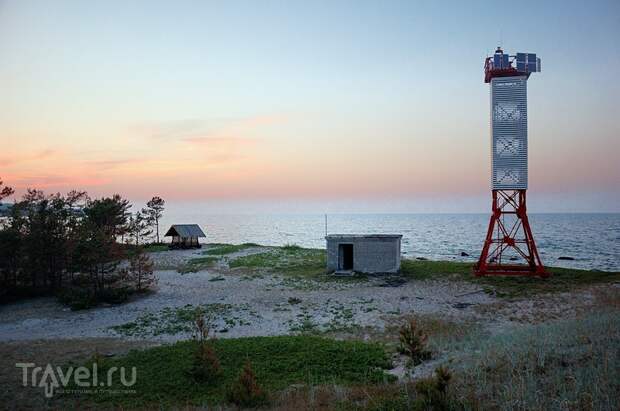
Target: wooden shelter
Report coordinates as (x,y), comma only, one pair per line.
(185,235)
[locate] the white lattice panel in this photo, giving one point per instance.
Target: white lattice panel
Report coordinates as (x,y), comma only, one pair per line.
(509,133)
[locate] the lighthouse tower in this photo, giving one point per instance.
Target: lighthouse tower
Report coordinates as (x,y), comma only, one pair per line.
(509,247)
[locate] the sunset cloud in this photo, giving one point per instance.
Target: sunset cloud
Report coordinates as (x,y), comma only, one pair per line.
(167,130)
(112,164)
(197,128)
(17,158)
(220,141)
(54,181)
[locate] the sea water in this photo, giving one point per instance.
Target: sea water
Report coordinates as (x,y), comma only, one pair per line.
(591,240)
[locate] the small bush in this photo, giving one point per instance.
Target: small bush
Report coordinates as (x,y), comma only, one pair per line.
(413,342)
(246,392)
(82,299)
(442,378)
(291,247)
(433,392)
(113,295)
(78,298)
(205,366)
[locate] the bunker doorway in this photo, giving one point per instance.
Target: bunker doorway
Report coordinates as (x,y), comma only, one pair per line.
(345,257)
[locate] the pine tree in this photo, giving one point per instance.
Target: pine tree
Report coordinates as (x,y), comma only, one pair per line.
(140,271)
(245,391)
(154,210)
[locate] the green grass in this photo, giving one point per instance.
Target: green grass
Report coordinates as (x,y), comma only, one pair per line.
(304,325)
(223,249)
(197,264)
(562,279)
(426,270)
(154,248)
(294,261)
(131,248)
(289,260)
(291,247)
(163,380)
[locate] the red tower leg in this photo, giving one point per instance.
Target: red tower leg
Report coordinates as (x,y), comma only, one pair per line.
(509,237)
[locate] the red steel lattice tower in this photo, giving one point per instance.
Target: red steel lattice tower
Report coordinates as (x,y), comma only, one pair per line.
(509,247)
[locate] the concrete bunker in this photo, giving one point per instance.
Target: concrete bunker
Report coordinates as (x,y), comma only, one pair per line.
(363,253)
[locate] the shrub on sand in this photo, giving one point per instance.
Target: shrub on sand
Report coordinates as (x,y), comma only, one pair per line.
(413,342)
(246,392)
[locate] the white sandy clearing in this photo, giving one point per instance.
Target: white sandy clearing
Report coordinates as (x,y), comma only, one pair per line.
(263,303)
(266,304)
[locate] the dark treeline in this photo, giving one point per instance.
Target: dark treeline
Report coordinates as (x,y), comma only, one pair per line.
(83,250)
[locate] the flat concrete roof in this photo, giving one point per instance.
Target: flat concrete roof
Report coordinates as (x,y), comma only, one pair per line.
(339,236)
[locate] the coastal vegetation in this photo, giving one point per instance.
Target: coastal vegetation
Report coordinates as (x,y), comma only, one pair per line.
(277,363)
(197,264)
(154,211)
(223,249)
(295,261)
(175,320)
(83,250)
(561,279)
(155,247)
(567,364)
(289,260)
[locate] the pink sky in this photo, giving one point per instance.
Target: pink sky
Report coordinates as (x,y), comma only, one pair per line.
(301,103)
(254,159)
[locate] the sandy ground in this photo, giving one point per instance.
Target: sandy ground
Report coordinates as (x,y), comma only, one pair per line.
(265,304)
(261,304)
